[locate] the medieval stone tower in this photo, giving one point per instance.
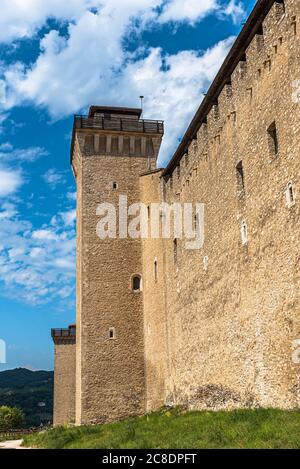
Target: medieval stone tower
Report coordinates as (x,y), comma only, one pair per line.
(216,328)
(112,147)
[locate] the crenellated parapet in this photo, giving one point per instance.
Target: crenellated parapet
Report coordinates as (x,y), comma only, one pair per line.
(64,336)
(113,131)
(271,26)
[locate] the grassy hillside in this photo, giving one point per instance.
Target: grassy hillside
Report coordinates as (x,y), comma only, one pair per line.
(31,391)
(261,428)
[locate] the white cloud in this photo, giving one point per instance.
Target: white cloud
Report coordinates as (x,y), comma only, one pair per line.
(10,181)
(235,10)
(187,10)
(64,263)
(23,18)
(36,253)
(72,196)
(36,265)
(173,86)
(53,178)
(193,11)
(69,217)
(29,155)
(8,210)
(2,92)
(89,66)
(44,235)
(3,118)
(65,80)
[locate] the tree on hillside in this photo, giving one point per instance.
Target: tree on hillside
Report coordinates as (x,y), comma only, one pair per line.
(11,418)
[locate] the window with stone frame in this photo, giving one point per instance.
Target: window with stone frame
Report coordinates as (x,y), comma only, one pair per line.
(136,283)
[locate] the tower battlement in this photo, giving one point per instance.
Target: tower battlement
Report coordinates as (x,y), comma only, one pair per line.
(117,131)
(61,336)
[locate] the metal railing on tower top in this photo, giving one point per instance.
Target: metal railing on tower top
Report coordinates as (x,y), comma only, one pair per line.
(117,124)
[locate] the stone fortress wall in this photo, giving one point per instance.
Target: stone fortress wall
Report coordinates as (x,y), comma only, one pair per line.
(231,324)
(212,328)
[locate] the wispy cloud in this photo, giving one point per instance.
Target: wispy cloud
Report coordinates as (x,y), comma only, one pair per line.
(72,195)
(3,117)
(193,11)
(37,263)
(11,162)
(23,18)
(53,178)
(10,182)
(64,84)
(10,154)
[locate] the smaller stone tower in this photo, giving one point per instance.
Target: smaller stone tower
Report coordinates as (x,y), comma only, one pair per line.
(64,377)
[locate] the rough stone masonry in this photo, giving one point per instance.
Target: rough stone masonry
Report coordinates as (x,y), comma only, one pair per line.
(215,328)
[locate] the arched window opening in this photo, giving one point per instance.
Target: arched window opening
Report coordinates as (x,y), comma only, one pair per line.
(136,283)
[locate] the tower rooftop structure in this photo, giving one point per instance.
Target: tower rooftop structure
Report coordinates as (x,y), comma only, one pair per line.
(115,120)
(126,111)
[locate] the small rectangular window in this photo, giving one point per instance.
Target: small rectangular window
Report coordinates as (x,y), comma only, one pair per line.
(155,268)
(112,333)
(240,178)
(294,25)
(175,251)
(273,139)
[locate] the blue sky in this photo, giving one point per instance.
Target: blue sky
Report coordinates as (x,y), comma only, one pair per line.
(56,59)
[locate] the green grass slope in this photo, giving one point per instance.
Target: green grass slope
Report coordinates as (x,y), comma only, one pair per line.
(260,428)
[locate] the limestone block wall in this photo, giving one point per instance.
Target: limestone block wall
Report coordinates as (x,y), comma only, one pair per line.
(231,324)
(232,327)
(64,383)
(154,294)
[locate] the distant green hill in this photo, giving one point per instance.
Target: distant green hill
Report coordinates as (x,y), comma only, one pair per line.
(31,391)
